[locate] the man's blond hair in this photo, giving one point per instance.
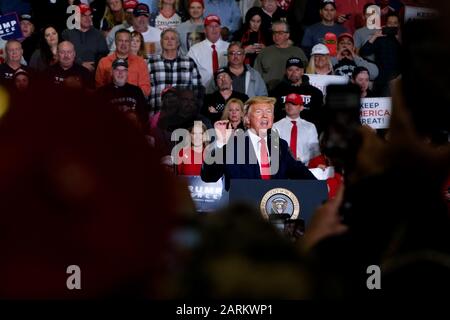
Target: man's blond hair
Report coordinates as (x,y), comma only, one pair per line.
(256,100)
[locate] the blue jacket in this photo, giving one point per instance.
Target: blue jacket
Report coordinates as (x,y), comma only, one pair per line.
(288,167)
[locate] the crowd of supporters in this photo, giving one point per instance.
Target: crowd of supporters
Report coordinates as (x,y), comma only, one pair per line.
(188,64)
(223,49)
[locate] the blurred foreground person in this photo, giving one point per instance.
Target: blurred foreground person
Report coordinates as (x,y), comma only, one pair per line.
(244,260)
(395,213)
(79,185)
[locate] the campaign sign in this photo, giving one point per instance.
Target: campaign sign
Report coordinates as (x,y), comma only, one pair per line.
(376,112)
(414,13)
(321,81)
(10,27)
(207,196)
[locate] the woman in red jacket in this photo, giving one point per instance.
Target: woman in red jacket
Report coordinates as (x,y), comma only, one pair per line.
(192,156)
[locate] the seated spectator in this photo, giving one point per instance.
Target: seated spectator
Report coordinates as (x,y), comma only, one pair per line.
(114,15)
(128,6)
(347,59)
(137,68)
(30,39)
(251,35)
(315,33)
(170,69)
(245,79)
(14,56)
(193,26)
(234,113)
(320,62)
(191,157)
(125,97)
(210,54)
(137,46)
(167,17)
(271,62)
(90,44)
(363,34)
(46,55)
(26,25)
(301,135)
(386,49)
(67,71)
(140,23)
(295,81)
(360,77)
(21,81)
(271,13)
(215,102)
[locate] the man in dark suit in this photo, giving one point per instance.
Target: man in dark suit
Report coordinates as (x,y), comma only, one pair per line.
(256,154)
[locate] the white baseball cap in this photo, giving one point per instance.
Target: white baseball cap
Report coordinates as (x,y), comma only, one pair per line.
(320,49)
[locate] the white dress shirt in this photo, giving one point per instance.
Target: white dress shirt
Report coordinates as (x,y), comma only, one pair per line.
(254,138)
(201,53)
(307,140)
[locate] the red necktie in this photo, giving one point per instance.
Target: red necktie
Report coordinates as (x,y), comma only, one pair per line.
(293,143)
(265,165)
(215,58)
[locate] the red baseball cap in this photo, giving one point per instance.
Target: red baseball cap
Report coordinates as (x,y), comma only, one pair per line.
(130,4)
(345,34)
(211,18)
(85,9)
(199,1)
(294,98)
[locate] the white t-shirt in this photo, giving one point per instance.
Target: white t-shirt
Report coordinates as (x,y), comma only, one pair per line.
(162,23)
(152,39)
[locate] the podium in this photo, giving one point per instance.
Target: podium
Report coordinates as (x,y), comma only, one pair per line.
(284,199)
(296,198)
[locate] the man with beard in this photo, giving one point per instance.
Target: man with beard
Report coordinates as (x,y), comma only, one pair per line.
(216,101)
(295,81)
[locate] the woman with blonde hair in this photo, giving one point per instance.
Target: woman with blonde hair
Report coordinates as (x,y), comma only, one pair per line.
(137,46)
(320,62)
(114,15)
(234,113)
(168,15)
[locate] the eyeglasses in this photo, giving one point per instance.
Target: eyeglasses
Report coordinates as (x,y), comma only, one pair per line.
(279,32)
(236,53)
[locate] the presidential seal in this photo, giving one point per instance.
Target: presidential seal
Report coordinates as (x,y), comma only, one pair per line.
(280,201)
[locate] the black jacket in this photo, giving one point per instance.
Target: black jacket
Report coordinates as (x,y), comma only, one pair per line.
(312,95)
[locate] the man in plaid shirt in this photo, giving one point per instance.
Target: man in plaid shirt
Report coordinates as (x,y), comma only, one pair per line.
(170,69)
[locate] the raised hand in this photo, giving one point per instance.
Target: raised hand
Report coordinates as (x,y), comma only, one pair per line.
(223,131)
